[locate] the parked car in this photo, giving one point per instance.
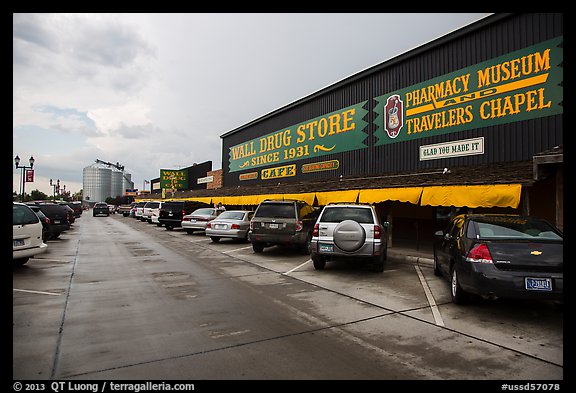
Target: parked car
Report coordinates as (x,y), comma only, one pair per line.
(198,219)
(77,207)
(233,224)
(100,208)
(112,209)
(125,209)
(286,222)
(69,211)
(58,216)
(46,231)
(172,212)
(498,255)
(155,215)
(349,230)
(139,209)
(26,234)
(147,210)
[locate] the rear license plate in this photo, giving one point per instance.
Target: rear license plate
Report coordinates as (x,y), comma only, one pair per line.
(192,220)
(18,242)
(273,226)
(538,284)
(220,226)
(56,221)
(326,248)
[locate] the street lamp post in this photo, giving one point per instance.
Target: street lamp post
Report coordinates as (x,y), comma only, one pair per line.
(23,176)
(56,187)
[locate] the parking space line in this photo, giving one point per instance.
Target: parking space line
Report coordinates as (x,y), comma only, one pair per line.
(435,311)
(298,267)
(236,249)
(38,292)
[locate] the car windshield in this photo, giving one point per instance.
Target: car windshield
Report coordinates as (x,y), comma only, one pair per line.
(516,228)
(339,214)
(276,210)
(231,216)
(23,215)
(203,212)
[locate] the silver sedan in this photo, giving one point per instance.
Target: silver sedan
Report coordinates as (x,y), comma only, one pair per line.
(233,224)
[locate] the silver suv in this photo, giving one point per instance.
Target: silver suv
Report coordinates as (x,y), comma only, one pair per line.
(349,230)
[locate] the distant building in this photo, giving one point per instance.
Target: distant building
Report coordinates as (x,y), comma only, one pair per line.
(103,180)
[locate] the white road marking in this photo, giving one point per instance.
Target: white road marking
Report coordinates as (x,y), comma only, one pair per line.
(435,311)
(38,292)
(236,249)
(298,267)
(228,334)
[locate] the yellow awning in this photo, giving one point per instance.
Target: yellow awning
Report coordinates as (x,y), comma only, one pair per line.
(308,197)
(199,199)
(327,197)
(403,194)
(497,195)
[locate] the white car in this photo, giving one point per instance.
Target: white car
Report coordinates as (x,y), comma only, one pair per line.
(155,215)
(198,219)
(26,234)
(147,210)
(349,230)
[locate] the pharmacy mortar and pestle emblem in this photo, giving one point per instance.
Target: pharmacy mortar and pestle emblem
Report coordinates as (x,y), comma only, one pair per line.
(394,113)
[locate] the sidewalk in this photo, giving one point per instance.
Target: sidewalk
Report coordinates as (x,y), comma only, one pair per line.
(410,253)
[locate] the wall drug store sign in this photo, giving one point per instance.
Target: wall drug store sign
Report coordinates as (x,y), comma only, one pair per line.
(172,179)
(520,85)
(335,132)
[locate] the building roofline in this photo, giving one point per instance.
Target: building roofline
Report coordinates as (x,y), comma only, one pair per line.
(453,35)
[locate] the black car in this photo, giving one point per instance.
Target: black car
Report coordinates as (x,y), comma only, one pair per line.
(58,217)
(46,231)
(500,256)
(100,208)
(172,212)
(76,207)
(285,222)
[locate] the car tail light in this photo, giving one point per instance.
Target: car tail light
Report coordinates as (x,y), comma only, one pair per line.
(209,225)
(479,253)
(299,226)
(235,226)
(377,232)
(251,225)
(316,231)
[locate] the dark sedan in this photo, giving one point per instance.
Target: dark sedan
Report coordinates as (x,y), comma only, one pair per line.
(100,208)
(498,255)
(57,215)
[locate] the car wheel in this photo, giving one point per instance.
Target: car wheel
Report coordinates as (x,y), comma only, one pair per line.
(169,228)
(20,261)
(437,271)
(319,262)
(215,239)
(158,224)
(459,296)
(190,231)
(258,247)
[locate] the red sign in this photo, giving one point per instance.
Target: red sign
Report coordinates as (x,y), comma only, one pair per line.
(29,175)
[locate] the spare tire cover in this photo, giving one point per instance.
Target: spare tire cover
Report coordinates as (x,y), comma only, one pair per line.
(349,235)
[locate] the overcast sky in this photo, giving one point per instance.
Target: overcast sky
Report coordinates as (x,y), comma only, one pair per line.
(156,91)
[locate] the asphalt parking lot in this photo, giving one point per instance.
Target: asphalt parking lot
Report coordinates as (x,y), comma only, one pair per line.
(116,298)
